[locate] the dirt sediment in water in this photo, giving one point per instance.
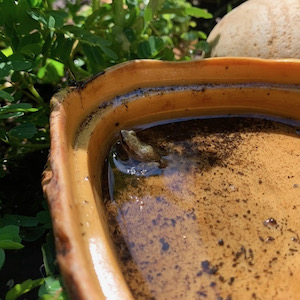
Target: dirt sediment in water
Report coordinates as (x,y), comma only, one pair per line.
(221,221)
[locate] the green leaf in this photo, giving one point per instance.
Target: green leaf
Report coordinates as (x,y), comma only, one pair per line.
(85,36)
(31,44)
(31,50)
(31,234)
(148,14)
(150,48)
(189,36)
(94,56)
(152,7)
(10,245)
(198,12)
(24,24)
(24,107)
(36,15)
(52,288)
(10,232)
(51,72)
(2,258)
(44,217)
(5,68)
(203,46)
(11,115)
(49,255)
(7,51)
(9,237)
(19,220)
(24,131)
(129,33)
(23,288)
(19,63)
(193,35)
(59,17)
(138,25)
(62,47)
(3,137)
(110,53)
(50,20)
(35,3)
(6,96)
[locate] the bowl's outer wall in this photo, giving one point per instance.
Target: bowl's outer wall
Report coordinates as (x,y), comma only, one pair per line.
(84,122)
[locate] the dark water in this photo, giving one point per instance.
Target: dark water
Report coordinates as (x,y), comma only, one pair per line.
(218,218)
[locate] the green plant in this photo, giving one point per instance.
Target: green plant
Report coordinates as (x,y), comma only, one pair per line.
(41,50)
(39,44)
(13,230)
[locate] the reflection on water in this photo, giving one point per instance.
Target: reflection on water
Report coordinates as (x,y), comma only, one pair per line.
(219,220)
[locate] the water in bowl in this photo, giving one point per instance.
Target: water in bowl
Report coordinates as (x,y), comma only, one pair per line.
(219,219)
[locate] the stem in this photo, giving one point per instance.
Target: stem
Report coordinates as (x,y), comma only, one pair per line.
(49,4)
(154,30)
(37,96)
(95,5)
(33,95)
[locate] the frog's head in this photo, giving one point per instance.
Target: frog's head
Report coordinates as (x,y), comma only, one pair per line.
(128,140)
(127,134)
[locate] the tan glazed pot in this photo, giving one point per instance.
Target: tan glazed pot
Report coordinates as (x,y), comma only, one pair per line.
(86,120)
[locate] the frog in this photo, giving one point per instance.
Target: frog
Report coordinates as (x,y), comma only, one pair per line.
(143,158)
(137,149)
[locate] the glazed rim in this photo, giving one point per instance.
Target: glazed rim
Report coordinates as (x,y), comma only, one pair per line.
(86,120)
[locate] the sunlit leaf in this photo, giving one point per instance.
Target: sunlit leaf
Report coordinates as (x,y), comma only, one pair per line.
(24,107)
(52,288)
(198,12)
(51,72)
(7,51)
(10,245)
(23,288)
(15,110)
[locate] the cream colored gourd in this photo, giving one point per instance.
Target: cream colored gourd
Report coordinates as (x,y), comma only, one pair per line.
(259,28)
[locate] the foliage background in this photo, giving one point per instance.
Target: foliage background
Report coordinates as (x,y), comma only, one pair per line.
(45,46)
